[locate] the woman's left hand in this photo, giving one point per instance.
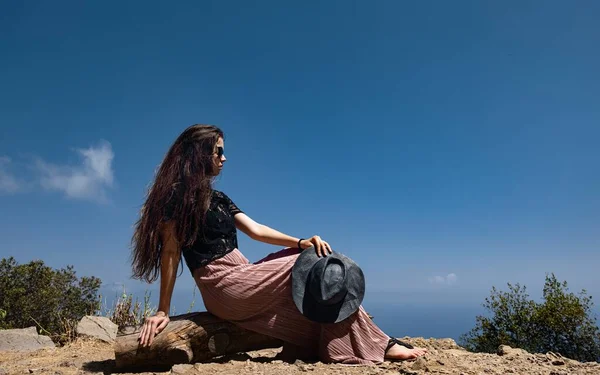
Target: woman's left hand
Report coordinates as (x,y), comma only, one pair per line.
(321,247)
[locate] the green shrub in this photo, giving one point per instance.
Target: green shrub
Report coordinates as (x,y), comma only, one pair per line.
(562,323)
(53,300)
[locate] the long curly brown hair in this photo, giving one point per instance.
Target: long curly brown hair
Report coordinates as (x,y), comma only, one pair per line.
(181,192)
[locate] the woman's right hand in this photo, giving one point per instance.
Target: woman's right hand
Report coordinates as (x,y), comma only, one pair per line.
(153,325)
(322,248)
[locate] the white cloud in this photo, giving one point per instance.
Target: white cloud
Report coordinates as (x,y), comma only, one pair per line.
(8,182)
(449,279)
(88,180)
(115,287)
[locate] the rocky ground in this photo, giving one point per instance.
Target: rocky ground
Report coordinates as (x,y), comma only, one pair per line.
(445,357)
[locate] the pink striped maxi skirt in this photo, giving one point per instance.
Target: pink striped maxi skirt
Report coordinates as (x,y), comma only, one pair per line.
(258,297)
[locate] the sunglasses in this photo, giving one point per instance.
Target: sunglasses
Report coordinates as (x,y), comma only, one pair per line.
(220,151)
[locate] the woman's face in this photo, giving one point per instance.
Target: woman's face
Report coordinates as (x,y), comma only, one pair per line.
(218,156)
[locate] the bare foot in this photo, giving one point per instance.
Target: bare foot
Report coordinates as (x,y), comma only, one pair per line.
(399,352)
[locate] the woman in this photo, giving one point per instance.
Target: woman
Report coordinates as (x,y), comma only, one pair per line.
(184,215)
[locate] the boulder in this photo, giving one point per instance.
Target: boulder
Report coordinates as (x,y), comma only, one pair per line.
(25,339)
(97,327)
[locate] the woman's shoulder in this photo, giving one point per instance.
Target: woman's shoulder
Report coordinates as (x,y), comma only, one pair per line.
(219,194)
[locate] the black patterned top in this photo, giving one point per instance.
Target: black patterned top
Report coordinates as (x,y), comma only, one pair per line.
(218,236)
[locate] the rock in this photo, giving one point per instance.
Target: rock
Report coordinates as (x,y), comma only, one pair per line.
(508,351)
(420,364)
(182,369)
(556,359)
(306,367)
(447,343)
(97,327)
(3,371)
(25,339)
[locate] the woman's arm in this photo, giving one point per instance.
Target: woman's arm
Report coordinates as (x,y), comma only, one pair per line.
(263,233)
(169,260)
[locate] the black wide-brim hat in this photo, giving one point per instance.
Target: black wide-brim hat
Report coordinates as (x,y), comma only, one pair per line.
(314,277)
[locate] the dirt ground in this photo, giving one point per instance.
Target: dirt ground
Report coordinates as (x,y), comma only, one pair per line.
(444,357)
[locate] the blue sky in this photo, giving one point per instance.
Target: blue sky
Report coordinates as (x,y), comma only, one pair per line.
(447,147)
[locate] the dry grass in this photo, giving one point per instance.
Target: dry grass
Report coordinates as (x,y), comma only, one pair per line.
(130,312)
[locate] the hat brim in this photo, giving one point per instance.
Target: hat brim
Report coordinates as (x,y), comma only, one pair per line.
(326,313)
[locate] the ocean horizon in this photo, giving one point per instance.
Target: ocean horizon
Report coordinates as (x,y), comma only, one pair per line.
(425,321)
